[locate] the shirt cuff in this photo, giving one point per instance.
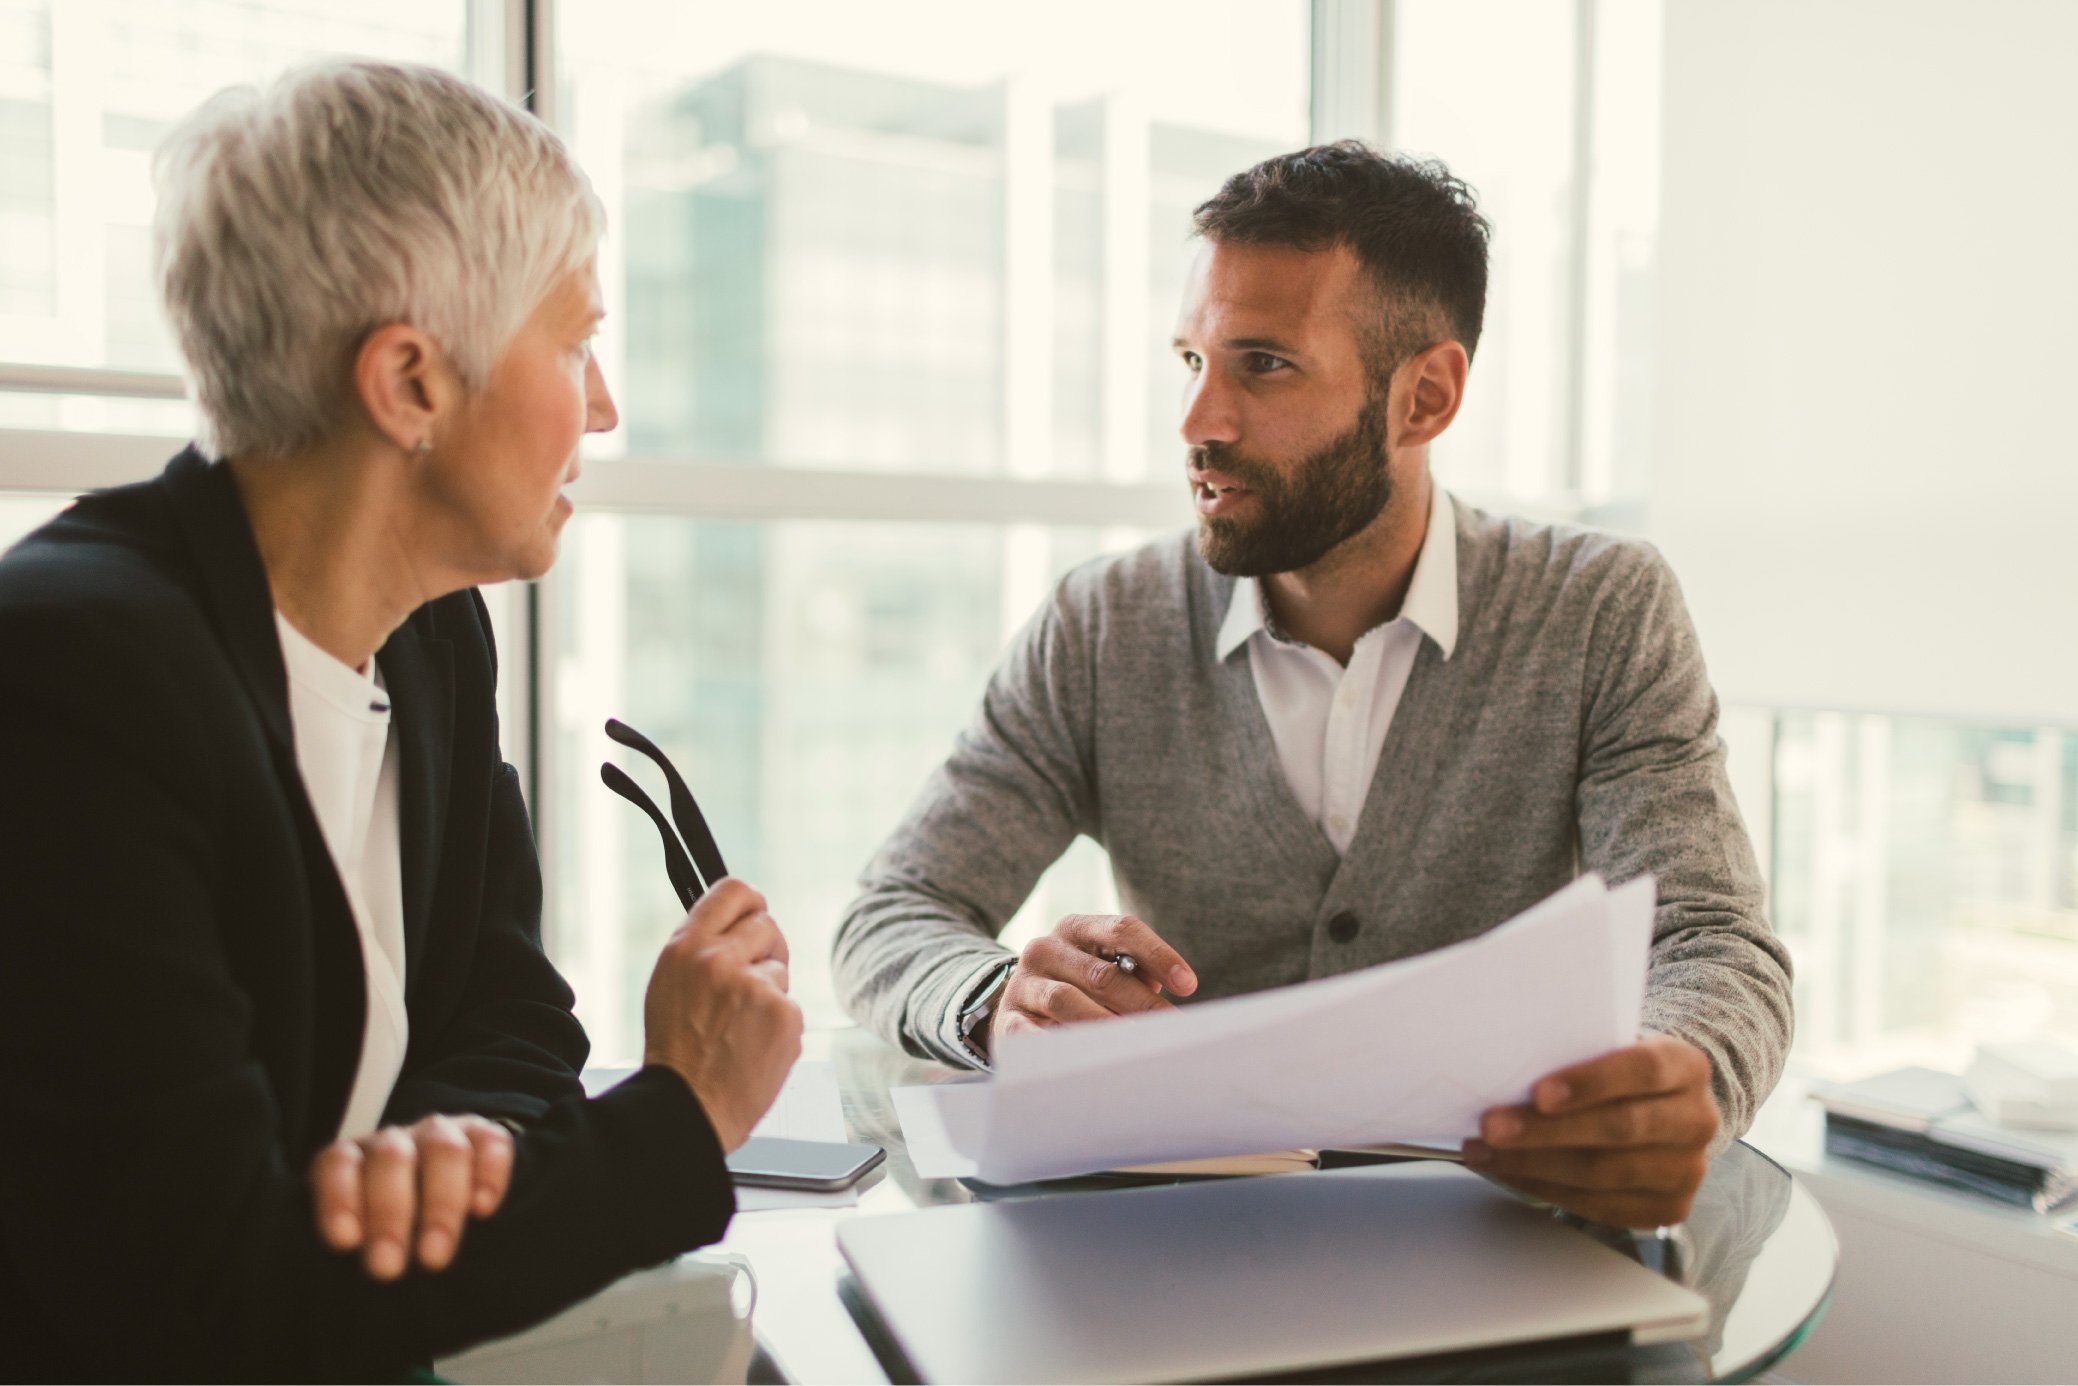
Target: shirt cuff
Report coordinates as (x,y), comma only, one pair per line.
(970,989)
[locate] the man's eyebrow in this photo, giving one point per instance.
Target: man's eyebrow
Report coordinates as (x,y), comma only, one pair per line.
(1270,344)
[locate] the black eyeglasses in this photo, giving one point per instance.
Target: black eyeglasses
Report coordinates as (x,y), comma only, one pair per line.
(691,871)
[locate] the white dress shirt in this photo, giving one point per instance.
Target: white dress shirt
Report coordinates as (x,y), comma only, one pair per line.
(1329,722)
(341,722)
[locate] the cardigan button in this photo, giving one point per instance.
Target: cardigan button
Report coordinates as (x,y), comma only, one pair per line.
(1342,928)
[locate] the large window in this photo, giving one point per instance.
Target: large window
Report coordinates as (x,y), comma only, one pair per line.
(88,88)
(889,289)
(1551,111)
(866,259)
(1925,877)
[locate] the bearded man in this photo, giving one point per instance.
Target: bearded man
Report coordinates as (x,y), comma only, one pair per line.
(1354,721)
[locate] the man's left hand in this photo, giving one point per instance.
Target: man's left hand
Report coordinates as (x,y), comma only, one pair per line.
(1623,1139)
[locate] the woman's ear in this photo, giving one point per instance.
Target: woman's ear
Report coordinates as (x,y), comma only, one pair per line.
(1435,387)
(403,385)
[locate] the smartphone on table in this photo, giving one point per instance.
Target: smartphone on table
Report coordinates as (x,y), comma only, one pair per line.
(773,1162)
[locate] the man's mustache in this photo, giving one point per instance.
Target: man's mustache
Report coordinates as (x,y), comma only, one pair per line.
(1246,471)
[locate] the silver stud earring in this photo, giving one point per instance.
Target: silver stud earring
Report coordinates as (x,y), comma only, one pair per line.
(422,448)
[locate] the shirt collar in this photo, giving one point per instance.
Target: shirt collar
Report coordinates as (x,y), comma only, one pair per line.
(1431,600)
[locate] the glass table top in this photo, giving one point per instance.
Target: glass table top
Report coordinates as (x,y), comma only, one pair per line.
(1756,1245)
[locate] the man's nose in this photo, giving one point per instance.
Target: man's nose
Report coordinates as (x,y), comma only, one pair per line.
(1208,411)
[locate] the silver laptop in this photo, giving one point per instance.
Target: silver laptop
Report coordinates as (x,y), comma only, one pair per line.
(1245,1277)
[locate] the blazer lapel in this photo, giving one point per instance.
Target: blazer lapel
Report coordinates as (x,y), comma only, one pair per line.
(418,669)
(240,602)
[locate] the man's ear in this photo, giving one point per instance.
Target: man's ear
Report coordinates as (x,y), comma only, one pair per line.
(1433,385)
(403,385)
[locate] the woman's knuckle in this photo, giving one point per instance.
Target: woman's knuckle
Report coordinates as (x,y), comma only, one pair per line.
(392,1144)
(437,1144)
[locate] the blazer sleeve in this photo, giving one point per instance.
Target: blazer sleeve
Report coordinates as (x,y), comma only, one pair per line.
(512,1046)
(145,1165)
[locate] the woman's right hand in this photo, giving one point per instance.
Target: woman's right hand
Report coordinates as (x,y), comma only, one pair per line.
(717,1010)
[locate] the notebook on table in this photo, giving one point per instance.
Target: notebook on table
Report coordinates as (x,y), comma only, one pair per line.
(1247,1277)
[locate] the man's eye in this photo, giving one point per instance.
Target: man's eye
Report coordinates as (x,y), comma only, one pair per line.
(1192,361)
(1263,363)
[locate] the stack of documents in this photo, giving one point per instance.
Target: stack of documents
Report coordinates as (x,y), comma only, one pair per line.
(1920,1122)
(1409,1052)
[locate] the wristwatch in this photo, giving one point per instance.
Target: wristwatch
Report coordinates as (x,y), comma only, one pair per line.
(975,1014)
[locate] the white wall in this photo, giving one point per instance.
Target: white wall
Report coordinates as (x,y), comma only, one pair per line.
(1865,471)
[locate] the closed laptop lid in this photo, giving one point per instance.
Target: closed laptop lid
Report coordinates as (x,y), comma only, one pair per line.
(1245,1277)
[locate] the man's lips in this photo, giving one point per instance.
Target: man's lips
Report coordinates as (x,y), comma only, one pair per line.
(1215,493)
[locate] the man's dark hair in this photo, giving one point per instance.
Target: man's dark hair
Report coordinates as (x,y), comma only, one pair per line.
(1410,222)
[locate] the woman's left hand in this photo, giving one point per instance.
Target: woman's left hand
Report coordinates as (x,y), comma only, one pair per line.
(405,1186)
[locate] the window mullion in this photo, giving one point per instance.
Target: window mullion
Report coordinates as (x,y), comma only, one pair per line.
(1352,49)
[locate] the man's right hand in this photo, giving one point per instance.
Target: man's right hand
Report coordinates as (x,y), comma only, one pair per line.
(1069,975)
(717,1011)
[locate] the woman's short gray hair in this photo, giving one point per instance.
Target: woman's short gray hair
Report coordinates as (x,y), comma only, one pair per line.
(348,195)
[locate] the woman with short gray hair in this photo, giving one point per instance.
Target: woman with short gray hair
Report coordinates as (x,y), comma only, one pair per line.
(292,1086)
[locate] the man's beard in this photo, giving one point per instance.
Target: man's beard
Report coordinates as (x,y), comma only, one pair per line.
(1297,520)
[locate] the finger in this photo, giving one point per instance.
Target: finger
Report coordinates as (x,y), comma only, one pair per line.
(1050,1002)
(446,1185)
(761,931)
(492,1148)
(1636,1210)
(389,1190)
(752,938)
(1660,1064)
(335,1184)
(1683,1119)
(1100,979)
(1652,1168)
(1009,1022)
(727,901)
(1121,933)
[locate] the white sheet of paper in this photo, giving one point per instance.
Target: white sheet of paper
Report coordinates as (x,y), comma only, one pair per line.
(808,1107)
(1411,1051)
(943,1125)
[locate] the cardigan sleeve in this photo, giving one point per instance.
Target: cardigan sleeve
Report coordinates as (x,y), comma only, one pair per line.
(1654,796)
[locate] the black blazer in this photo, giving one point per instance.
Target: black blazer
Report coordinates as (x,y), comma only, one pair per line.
(181,989)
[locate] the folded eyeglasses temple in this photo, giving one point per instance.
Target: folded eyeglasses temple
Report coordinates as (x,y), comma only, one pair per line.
(691,872)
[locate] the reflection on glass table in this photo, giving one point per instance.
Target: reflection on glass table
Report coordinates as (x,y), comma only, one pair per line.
(1757,1247)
